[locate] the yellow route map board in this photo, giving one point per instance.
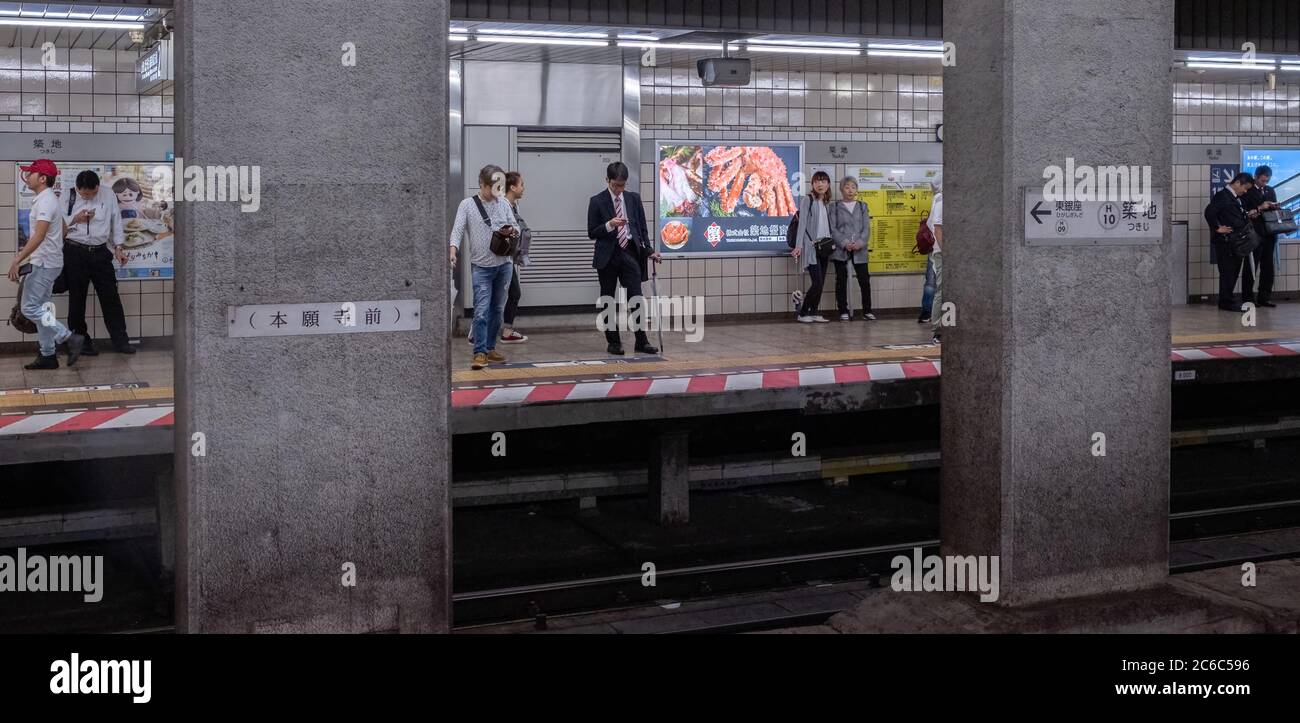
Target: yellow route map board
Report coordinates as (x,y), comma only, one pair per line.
(897,197)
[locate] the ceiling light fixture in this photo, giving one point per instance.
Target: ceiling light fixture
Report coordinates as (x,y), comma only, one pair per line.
(803,43)
(802,51)
(543,33)
(91,24)
(932,55)
(540,41)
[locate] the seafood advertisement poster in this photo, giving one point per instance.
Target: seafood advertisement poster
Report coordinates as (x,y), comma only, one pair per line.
(147,222)
(897,197)
(718,198)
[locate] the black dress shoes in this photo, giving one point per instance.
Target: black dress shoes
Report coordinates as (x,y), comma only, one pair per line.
(647,349)
(615,349)
(88,349)
(1266,304)
(122,349)
(43,362)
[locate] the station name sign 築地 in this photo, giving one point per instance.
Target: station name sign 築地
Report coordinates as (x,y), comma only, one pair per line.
(1093,223)
(340,317)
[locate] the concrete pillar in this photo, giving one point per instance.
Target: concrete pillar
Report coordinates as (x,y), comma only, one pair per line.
(330,449)
(1054,344)
(670,479)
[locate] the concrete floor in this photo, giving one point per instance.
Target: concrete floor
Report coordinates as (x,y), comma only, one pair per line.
(722,343)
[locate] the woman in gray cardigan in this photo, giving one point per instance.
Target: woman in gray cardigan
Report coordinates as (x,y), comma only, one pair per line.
(814,225)
(851,229)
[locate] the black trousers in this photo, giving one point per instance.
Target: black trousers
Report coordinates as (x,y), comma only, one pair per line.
(813,298)
(1230,267)
(623,268)
(512,299)
(83,266)
(1264,258)
(842,286)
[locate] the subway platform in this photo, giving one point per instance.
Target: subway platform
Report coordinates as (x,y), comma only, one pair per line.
(114,405)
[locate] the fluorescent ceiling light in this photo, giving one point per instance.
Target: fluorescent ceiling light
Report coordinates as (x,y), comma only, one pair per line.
(94,24)
(932,47)
(933,55)
(1232,66)
(669,46)
(805,43)
(649,38)
(540,41)
(543,33)
(457,38)
(802,51)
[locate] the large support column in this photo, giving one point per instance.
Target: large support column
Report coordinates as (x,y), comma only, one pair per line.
(330,449)
(1054,344)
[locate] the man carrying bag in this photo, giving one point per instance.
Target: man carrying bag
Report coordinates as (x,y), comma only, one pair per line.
(1234,240)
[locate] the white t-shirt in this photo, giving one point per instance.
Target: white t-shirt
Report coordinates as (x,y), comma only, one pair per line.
(49,254)
(936,218)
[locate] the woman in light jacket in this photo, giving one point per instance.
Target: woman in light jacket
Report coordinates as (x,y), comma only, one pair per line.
(814,225)
(851,229)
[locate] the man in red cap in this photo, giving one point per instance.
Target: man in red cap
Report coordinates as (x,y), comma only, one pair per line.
(44,251)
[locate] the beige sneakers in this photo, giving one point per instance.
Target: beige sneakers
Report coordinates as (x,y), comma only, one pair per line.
(480,361)
(495,357)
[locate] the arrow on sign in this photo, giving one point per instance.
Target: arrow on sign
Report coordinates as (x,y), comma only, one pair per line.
(1036,213)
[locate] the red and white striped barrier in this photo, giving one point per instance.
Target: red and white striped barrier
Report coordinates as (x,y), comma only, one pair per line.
(1240,351)
(12,425)
(701,383)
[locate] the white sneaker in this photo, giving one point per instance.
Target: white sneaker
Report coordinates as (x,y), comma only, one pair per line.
(821,320)
(806,319)
(844,317)
(869,316)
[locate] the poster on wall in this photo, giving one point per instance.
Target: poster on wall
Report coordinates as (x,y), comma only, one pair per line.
(1285,163)
(719,199)
(898,197)
(147,222)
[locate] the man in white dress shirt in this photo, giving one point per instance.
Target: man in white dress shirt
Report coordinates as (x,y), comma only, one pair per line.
(93,241)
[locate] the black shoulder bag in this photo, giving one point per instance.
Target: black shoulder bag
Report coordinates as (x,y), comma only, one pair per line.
(501,244)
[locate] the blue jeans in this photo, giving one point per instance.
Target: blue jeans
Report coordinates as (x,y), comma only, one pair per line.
(36,293)
(491,287)
(927,296)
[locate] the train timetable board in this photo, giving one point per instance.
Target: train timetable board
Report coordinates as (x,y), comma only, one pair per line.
(897,197)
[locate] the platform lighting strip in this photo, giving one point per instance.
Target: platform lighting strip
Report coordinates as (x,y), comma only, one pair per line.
(55,23)
(1238,63)
(643,42)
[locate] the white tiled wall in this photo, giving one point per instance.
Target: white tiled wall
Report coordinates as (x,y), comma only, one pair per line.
(784,106)
(1229,113)
(84,91)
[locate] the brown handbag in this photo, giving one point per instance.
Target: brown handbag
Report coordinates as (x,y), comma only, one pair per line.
(501,244)
(16,318)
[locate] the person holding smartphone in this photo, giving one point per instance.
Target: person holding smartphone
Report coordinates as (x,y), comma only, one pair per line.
(44,251)
(93,241)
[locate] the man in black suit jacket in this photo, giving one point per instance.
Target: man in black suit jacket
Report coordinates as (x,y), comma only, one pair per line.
(1261,197)
(1224,215)
(623,252)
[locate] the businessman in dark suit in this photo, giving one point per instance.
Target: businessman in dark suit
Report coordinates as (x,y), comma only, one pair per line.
(1260,198)
(623,252)
(1224,215)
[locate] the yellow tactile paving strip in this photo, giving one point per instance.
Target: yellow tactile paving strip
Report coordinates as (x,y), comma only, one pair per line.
(11,401)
